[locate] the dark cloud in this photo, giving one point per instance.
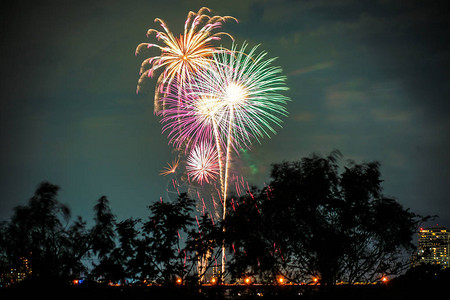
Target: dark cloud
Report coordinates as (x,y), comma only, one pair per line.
(369,78)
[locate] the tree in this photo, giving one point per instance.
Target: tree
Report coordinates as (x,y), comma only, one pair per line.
(254,252)
(328,222)
(77,242)
(37,234)
(204,244)
(125,253)
(103,241)
(6,258)
(103,231)
(165,255)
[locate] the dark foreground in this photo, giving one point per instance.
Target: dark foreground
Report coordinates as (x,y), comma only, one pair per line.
(397,291)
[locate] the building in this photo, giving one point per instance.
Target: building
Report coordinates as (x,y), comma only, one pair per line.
(16,275)
(433,246)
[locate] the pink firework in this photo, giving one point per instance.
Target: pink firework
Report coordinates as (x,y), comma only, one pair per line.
(202,163)
(190,118)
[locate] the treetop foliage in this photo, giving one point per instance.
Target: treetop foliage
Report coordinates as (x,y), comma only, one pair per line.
(316,219)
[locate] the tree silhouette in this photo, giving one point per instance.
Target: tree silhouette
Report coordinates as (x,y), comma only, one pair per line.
(204,245)
(318,218)
(103,241)
(324,221)
(163,230)
(77,245)
(36,234)
(254,252)
(121,263)
(103,233)
(128,244)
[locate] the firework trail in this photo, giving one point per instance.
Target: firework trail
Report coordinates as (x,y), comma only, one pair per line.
(183,56)
(247,87)
(191,120)
(234,101)
(214,101)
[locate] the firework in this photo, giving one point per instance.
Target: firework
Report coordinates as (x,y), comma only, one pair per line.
(171,168)
(189,119)
(247,86)
(202,163)
(233,101)
(183,56)
(214,101)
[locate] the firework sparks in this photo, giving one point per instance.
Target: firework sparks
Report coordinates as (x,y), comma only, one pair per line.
(202,163)
(190,119)
(171,168)
(233,101)
(214,100)
(248,87)
(183,56)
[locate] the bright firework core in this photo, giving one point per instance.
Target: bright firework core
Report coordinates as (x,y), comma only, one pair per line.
(207,107)
(212,100)
(202,164)
(235,93)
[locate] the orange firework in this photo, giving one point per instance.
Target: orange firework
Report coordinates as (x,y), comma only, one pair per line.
(171,168)
(180,57)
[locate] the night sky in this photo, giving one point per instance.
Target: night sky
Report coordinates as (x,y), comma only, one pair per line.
(369,78)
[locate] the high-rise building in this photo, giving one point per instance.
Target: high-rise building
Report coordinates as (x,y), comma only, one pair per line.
(433,246)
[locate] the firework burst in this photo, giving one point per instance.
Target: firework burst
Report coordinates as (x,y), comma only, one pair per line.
(189,119)
(202,163)
(233,101)
(171,168)
(183,56)
(213,100)
(247,86)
